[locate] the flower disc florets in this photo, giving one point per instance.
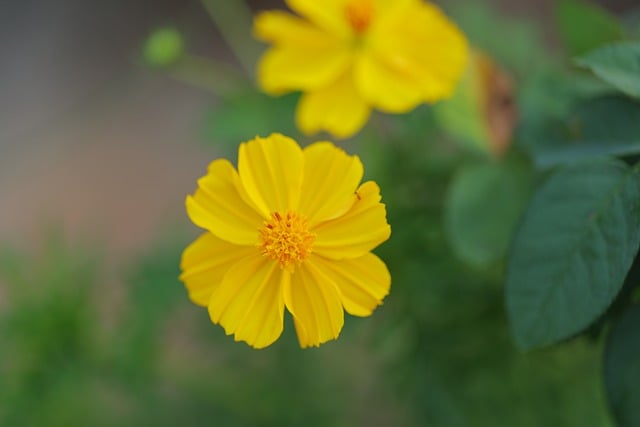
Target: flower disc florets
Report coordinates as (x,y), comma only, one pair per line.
(286,239)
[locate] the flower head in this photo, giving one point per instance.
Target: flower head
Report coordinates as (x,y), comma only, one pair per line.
(349,56)
(290,228)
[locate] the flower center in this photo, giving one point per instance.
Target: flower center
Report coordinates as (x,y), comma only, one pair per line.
(359,14)
(286,239)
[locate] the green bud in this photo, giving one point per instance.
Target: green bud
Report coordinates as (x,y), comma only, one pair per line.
(163,47)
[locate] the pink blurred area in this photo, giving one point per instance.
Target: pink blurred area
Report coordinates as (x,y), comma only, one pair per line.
(92,139)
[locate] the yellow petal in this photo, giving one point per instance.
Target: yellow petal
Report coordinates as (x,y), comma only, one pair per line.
(421,45)
(314,302)
(218,206)
(363,282)
(305,56)
(385,87)
(249,303)
(386,9)
(338,109)
(205,262)
(331,177)
(283,28)
(358,231)
(327,14)
(285,68)
(271,173)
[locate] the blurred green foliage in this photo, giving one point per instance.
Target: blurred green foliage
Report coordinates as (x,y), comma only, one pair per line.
(245,114)
(622,368)
(523,54)
(49,337)
(483,205)
(585,26)
(437,352)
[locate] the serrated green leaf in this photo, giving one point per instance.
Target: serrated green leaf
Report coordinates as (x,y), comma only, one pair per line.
(607,125)
(617,64)
(622,368)
(584,26)
(482,208)
(572,250)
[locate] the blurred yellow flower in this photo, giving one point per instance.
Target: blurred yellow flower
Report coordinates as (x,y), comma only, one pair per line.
(290,228)
(349,56)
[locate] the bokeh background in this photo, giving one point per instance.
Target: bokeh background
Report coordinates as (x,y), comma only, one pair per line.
(97,152)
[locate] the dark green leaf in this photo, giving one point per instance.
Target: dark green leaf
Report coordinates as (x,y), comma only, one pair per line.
(482,208)
(552,92)
(584,26)
(608,125)
(571,252)
(622,369)
(617,64)
(631,21)
(548,97)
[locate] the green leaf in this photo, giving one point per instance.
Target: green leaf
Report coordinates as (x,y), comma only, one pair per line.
(480,114)
(584,26)
(622,368)
(552,93)
(462,116)
(631,21)
(607,125)
(617,64)
(572,250)
(482,208)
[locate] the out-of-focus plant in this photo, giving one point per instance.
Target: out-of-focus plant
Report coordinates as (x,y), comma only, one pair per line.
(440,350)
(48,336)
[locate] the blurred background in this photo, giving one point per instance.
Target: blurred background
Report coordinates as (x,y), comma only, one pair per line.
(78,101)
(97,152)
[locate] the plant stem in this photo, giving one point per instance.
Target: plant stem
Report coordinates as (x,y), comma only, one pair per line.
(233,18)
(213,76)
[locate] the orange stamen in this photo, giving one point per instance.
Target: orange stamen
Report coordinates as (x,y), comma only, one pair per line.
(286,239)
(359,14)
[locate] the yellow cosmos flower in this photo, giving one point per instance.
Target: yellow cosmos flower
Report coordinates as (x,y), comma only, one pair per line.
(290,228)
(349,56)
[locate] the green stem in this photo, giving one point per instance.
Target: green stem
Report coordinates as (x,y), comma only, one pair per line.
(233,18)
(214,76)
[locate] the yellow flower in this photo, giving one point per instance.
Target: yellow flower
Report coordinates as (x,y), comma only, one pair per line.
(349,56)
(290,228)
